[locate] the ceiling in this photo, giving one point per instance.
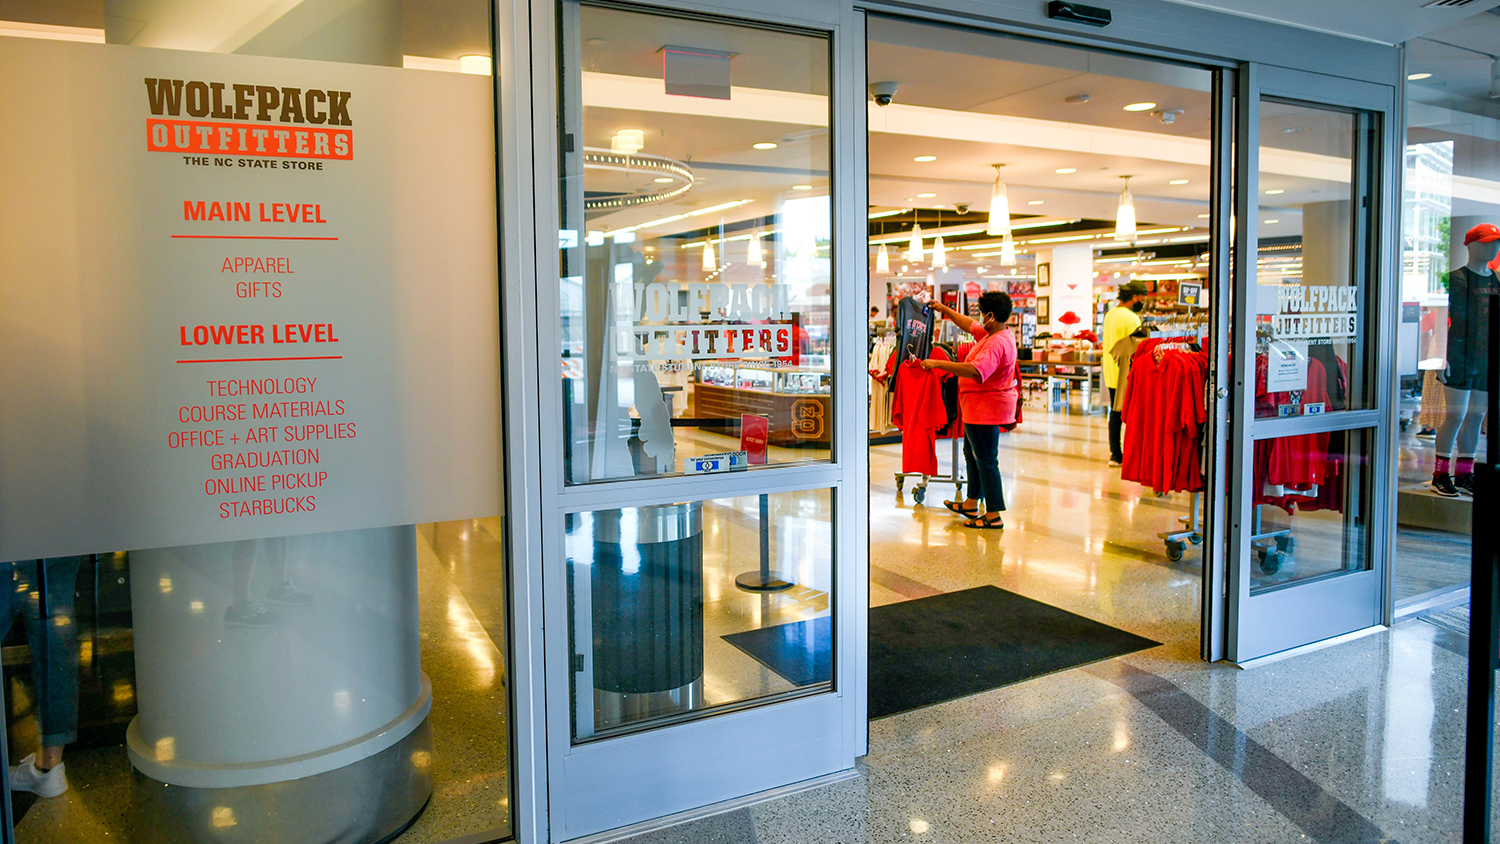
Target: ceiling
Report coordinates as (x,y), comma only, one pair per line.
(1385,21)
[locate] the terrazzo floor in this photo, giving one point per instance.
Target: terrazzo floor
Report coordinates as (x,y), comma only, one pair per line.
(1358,742)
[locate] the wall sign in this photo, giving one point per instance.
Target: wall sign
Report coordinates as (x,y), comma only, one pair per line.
(253,298)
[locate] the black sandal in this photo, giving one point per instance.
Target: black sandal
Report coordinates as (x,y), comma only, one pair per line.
(957,507)
(982,523)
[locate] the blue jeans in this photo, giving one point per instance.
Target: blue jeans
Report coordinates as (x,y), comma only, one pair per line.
(982,454)
(52,633)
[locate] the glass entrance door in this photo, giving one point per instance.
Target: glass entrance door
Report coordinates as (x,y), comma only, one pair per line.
(1315,226)
(696,649)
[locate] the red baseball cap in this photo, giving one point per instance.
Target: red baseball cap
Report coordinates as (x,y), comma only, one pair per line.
(1483,233)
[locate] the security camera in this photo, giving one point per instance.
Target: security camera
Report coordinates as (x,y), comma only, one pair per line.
(883,92)
(963,208)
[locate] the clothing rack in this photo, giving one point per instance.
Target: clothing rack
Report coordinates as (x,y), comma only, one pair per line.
(955,477)
(1176,540)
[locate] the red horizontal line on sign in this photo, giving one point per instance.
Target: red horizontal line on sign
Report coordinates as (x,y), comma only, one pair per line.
(249,237)
(258,360)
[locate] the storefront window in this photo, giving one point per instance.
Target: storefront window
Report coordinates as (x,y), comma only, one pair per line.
(1451,203)
(696,250)
(250,491)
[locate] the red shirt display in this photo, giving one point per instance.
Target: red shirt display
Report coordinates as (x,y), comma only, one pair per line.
(1164,418)
(918,411)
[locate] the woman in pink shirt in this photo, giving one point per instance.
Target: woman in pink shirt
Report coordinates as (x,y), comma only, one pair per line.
(988,399)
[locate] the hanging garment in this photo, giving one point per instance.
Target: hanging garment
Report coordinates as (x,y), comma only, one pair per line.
(1165,417)
(919,413)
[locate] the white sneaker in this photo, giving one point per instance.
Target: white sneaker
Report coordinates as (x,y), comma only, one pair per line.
(25,777)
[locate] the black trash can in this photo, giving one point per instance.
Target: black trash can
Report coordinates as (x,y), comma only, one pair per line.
(646,598)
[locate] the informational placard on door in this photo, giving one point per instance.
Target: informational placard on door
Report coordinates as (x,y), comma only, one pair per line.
(1286,366)
(242,297)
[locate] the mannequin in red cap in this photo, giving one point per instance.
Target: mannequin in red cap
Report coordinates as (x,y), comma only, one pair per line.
(1467,376)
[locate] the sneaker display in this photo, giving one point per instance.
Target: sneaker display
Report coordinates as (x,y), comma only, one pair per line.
(288,595)
(1442,484)
(26,777)
(250,614)
(1465,484)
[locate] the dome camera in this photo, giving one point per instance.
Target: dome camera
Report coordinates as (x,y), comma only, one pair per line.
(883,92)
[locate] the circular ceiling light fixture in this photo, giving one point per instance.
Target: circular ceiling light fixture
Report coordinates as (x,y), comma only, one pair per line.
(926,195)
(1275,192)
(925,158)
(1064,171)
(1271,222)
(801,187)
(1035,201)
(763,145)
(674,177)
(1178,182)
(1414,77)
(1140,106)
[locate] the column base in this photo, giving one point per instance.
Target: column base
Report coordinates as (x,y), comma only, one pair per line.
(369,801)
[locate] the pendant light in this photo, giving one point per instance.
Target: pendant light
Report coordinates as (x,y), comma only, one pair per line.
(883,261)
(754,257)
(1125,218)
(939,252)
(710,263)
(914,254)
(1008,251)
(999,207)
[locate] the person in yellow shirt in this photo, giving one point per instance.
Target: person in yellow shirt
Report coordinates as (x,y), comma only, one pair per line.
(1121,322)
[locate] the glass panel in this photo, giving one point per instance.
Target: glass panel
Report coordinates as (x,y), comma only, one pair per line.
(696,246)
(679,610)
(1313,252)
(234,630)
(1443,351)
(1311,507)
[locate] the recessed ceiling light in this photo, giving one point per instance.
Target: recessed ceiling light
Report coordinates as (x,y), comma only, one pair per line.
(1035,201)
(1140,106)
(926,195)
(1272,222)
(1063,171)
(1275,192)
(1205,216)
(925,158)
(1292,130)
(1178,182)
(763,145)
(663,180)
(801,187)
(1415,76)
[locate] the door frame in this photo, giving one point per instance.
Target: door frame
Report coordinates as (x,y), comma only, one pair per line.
(684,766)
(1327,607)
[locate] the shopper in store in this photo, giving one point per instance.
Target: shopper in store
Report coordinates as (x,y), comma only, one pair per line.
(1466,379)
(988,401)
(42,592)
(1122,321)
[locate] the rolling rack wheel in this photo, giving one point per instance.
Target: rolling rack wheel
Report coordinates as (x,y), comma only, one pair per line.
(1270,560)
(1286,544)
(1174,550)
(919,494)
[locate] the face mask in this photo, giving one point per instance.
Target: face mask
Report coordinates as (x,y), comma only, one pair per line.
(1138,306)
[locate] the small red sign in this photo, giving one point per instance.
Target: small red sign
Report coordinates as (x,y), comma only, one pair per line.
(754,431)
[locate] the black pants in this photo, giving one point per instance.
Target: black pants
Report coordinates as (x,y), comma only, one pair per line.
(982,454)
(1116,453)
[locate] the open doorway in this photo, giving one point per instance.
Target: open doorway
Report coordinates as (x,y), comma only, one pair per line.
(1078,184)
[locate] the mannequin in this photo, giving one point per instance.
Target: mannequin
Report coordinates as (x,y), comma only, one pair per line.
(1466,378)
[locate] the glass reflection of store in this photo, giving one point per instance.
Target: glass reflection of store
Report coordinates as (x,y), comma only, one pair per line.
(345,685)
(1450,189)
(695,297)
(698,290)
(1311,492)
